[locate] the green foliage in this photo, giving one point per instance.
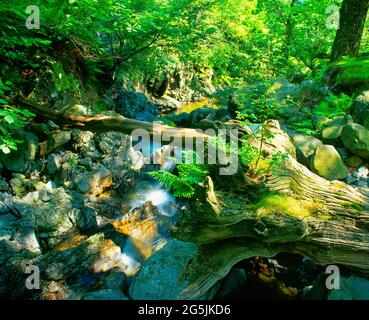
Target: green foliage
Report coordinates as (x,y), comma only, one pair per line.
(184,184)
(11,119)
(248,154)
(333,106)
(74,162)
(63,82)
(242,41)
(264,107)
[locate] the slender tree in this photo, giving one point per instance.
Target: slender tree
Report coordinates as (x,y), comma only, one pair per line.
(353,15)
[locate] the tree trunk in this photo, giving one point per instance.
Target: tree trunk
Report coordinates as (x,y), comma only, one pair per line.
(106,123)
(353,15)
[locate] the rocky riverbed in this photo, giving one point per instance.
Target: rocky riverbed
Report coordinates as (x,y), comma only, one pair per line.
(81,209)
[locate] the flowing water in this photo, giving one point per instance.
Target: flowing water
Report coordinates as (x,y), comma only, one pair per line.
(146,189)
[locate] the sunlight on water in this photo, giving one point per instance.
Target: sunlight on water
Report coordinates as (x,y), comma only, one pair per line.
(157,197)
(191,106)
(148,191)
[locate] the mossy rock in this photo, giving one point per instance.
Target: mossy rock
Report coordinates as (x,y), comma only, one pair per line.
(21,160)
(349,76)
(328,163)
(360,109)
(356,139)
(333,129)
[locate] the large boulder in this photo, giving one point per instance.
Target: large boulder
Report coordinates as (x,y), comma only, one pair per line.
(360,109)
(131,103)
(51,212)
(21,160)
(348,75)
(305,147)
(356,139)
(332,130)
(328,163)
(161,277)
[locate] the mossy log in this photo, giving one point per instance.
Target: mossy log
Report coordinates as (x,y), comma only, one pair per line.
(296,212)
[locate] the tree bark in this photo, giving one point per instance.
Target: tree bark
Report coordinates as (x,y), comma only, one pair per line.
(353,15)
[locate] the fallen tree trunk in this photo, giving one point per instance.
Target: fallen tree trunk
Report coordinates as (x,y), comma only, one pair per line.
(106,123)
(296,212)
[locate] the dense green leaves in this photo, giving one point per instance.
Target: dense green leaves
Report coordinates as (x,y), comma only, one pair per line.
(11,119)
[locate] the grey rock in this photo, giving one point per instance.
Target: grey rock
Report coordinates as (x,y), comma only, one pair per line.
(333,129)
(20,185)
(113,143)
(305,147)
(360,109)
(84,144)
(94,182)
(327,163)
(160,277)
(129,102)
(21,160)
(55,142)
(134,158)
(86,162)
(115,281)
(53,218)
(356,139)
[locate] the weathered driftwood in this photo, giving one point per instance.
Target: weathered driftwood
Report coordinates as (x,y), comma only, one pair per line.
(298,212)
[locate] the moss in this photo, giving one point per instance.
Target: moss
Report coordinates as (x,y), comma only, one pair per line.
(353,206)
(353,70)
(277,203)
(353,73)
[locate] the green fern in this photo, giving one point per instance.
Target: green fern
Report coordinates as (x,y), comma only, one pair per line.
(183,185)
